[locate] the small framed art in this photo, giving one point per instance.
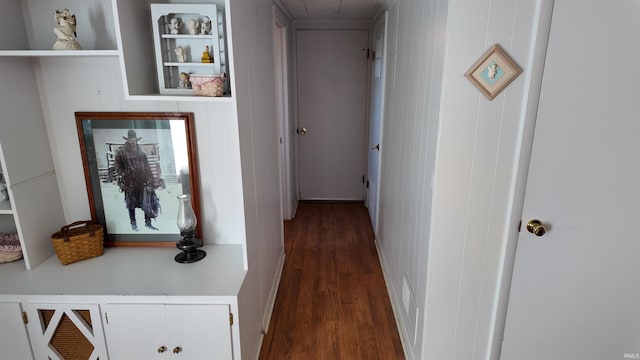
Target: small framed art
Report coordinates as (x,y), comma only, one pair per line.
(493,72)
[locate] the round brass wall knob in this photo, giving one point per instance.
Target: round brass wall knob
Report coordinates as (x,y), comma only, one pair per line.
(536,228)
(177,350)
(162,349)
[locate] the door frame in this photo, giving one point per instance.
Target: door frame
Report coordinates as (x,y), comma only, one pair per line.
(521,172)
(380,22)
(280,53)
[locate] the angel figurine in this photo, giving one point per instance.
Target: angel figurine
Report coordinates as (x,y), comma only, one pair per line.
(175,26)
(184,81)
(65,31)
(205,26)
(181,54)
(193,26)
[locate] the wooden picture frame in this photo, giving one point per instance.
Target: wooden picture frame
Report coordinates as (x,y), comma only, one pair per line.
(168,143)
(493,72)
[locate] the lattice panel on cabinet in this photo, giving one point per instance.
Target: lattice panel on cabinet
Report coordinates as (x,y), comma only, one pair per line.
(67,339)
(66,331)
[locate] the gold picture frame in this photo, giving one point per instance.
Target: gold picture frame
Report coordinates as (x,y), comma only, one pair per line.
(493,72)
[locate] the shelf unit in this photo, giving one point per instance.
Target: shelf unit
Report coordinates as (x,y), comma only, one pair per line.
(168,64)
(57,53)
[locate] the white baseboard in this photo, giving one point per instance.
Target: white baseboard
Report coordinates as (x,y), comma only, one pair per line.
(266,320)
(395,306)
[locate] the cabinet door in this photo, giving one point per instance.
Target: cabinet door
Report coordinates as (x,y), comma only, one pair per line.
(199,332)
(136,331)
(14,340)
(157,331)
(66,331)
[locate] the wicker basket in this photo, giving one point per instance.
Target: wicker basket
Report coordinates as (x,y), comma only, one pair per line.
(208,85)
(78,241)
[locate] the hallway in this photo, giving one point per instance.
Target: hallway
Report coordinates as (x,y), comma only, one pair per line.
(332,301)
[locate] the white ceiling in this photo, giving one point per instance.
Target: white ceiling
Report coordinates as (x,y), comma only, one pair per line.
(331,9)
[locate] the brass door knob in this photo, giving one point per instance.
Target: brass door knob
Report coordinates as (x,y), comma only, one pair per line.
(536,228)
(177,350)
(302,131)
(162,349)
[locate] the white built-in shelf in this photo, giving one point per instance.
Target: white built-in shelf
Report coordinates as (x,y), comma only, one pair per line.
(188,96)
(5,208)
(52,53)
(190,64)
(186,36)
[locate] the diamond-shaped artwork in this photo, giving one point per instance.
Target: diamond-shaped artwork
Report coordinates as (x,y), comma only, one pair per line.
(493,72)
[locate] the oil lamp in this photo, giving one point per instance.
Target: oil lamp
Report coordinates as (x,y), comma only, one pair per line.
(187,224)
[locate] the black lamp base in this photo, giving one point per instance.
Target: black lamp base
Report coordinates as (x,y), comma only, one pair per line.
(189,253)
(187,257)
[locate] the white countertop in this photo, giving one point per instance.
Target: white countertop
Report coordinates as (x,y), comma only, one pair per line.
(127,271)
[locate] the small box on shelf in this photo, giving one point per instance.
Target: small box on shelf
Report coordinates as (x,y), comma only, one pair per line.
(189,41)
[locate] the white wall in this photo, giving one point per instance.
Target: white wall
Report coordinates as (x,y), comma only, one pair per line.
(252,25)
(450,242)
(477,161)
(416,34)
(68,85)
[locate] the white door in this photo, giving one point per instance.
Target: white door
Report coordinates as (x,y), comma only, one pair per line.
(142,325)
(332,78)
(375,128)
(14,340)
(575,291)
(199,331)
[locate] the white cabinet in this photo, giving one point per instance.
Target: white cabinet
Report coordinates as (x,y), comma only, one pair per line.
(126,304)
(168,331)
(197,30)
(66,331)
(14,340)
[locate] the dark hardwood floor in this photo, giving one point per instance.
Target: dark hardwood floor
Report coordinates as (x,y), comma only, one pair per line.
(332,301)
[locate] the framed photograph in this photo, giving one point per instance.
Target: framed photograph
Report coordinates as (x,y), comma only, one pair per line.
(493,72)
(136,165)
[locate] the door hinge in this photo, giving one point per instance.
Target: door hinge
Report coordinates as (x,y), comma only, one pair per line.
(25,318)
(106,317)
(367,184)
(367,52)
(363,179)
(230,319)
(519,225)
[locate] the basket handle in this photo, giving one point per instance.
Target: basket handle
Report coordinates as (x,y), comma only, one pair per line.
(65,229)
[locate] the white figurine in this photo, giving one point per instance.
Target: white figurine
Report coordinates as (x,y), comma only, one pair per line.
(181,54)
(175,26)
(205,27)
(65,31)
(492,72)
(193,26)
(184,81)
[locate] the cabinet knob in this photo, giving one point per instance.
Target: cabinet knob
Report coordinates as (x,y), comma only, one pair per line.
(162,349)
(177,350)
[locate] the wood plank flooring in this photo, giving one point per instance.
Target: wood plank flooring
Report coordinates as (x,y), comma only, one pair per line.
(332,301)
